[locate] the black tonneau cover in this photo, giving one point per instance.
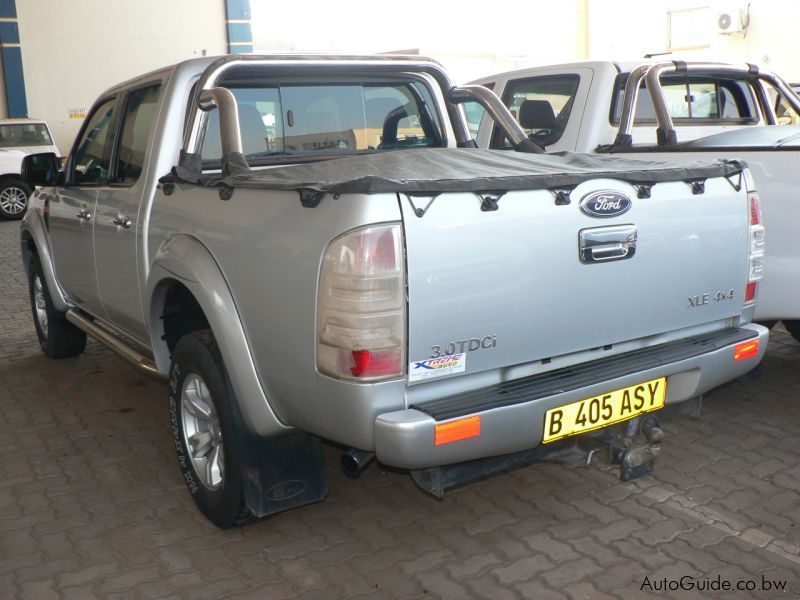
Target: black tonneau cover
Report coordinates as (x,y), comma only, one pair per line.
(439,170)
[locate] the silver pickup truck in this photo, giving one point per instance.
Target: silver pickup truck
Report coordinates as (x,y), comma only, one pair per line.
(312,248)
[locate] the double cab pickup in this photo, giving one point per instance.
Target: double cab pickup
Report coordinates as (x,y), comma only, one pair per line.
(312,248)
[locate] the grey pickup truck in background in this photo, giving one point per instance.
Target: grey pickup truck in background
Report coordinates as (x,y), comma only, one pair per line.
(312,248)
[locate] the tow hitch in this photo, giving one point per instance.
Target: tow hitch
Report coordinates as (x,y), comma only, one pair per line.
(635,451)
(636,448)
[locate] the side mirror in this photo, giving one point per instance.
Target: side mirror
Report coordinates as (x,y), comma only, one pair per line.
(41,169)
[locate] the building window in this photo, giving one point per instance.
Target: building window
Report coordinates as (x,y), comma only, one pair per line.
(689,28)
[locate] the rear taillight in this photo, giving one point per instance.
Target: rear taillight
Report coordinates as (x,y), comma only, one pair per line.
(755,258)
(750,291)
(361,306)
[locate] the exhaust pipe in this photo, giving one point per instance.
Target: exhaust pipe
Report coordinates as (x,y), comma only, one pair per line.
(354,461)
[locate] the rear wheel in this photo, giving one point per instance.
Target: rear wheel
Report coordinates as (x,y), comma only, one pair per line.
(58,337)
(203,424)
(14,196)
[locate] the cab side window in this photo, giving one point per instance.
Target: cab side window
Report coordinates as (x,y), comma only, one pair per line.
(140,110)
(90,163)
(541,105)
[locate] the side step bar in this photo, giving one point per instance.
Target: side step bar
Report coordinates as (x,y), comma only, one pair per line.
(144,364)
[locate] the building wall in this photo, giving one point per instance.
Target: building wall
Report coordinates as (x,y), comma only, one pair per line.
(471,40)
(72,51)
(628,29)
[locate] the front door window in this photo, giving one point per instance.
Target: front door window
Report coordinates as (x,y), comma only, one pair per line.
(91,159)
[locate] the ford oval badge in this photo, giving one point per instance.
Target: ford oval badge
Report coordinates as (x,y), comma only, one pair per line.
(605,203)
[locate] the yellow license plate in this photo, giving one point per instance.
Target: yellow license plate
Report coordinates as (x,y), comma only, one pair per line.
(603,410)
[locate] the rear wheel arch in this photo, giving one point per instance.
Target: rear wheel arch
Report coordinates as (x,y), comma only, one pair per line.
(184,273)
(34,242)
(175,312)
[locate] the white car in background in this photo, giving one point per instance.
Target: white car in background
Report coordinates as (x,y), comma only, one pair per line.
(18,138)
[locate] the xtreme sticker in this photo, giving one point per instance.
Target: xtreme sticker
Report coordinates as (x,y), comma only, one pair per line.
(437,367)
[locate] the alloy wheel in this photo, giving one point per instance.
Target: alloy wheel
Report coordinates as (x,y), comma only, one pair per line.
(13,200)
(202,433)
(41,304)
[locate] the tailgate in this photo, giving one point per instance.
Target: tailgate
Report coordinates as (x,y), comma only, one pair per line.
(507,287)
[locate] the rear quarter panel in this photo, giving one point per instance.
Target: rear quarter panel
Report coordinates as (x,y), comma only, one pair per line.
(269,249)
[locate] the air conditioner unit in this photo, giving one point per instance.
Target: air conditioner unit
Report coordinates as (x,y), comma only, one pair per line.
(730,20)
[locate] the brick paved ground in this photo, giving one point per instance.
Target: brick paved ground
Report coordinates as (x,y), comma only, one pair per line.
(92,503)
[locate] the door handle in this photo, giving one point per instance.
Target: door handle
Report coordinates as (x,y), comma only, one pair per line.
(609,252)
(605,244)
(124,222)
(84,215)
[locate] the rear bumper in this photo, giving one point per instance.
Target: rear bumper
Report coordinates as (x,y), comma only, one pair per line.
(512,413)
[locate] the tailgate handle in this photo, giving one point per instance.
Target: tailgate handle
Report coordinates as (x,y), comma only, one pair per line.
(605,244)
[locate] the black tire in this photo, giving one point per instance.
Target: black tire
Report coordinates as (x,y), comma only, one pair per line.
(793,327)
(58,337)
(197,356)
(14,195)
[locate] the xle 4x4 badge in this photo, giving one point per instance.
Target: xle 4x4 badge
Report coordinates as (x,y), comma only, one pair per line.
(605,203)
(703,299)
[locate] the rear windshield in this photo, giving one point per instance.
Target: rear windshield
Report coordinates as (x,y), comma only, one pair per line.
(695,99)
(315,119)
(24,134)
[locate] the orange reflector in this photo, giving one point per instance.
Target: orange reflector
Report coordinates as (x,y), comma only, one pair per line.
(454,431)
(745,350)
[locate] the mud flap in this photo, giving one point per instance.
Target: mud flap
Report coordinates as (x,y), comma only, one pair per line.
(282,472)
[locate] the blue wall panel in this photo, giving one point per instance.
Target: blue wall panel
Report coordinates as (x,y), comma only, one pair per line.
(15,83)
(238,10)
(12,61)
(8,9)
(9,32)
(240,48)
(239,33)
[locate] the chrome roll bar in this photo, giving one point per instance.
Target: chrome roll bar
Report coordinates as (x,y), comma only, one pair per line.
(208,95)
(630,99)
(652,77)
(494,106)
(229,133)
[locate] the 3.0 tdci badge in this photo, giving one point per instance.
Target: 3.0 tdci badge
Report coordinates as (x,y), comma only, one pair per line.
(605,203)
